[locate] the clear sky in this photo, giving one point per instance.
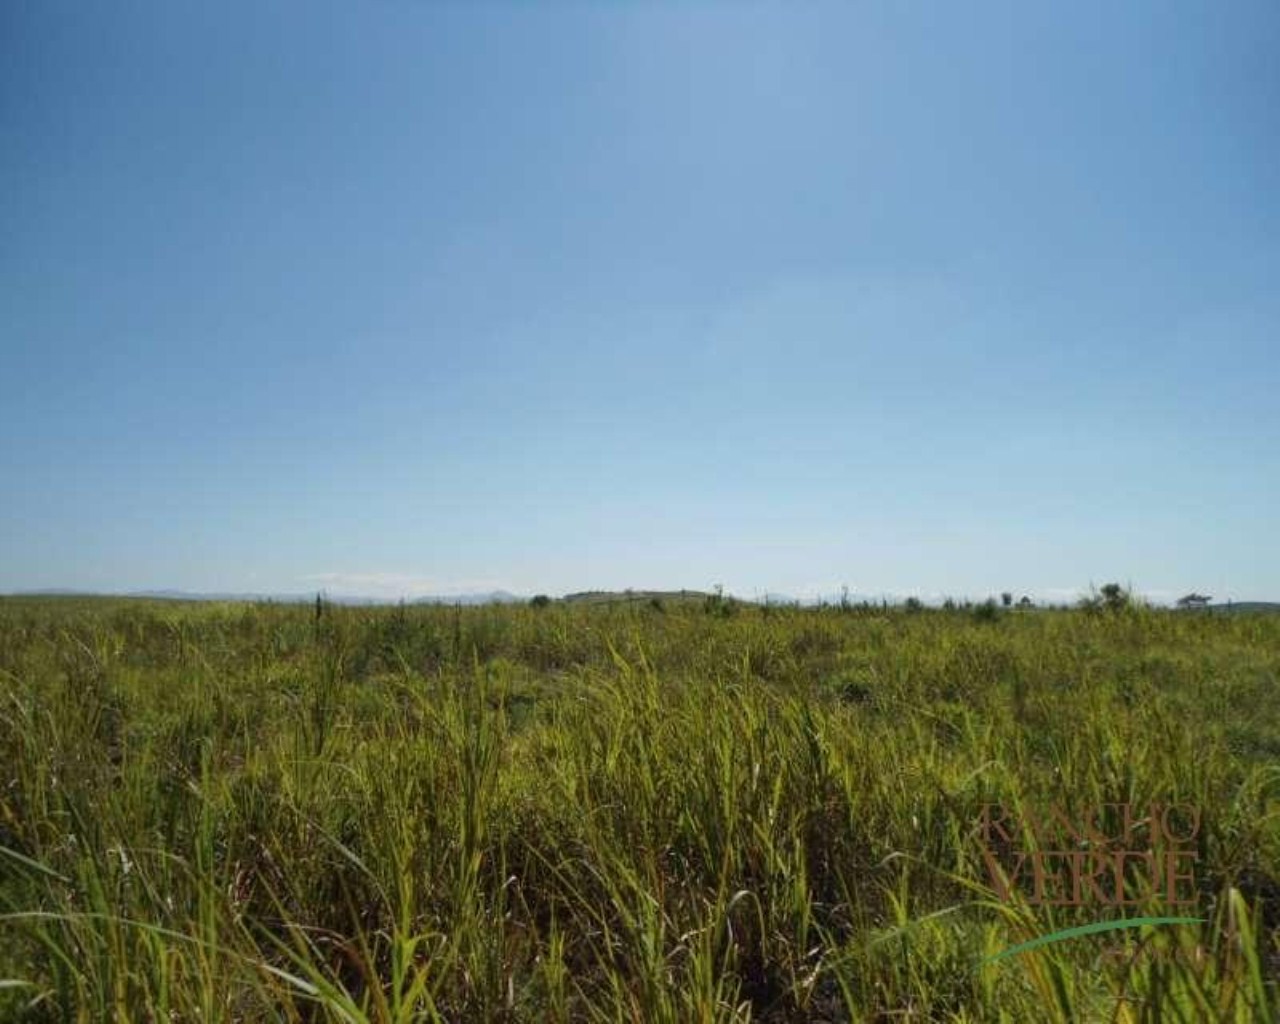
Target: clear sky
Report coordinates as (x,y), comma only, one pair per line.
(405,298)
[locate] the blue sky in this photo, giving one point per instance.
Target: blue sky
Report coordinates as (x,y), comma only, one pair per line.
(404,298)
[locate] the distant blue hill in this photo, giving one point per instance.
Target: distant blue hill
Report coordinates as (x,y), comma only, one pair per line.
(1244,607)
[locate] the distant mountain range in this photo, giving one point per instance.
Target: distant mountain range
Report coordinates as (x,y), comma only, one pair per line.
(506,597)
(492,597)
(613,596)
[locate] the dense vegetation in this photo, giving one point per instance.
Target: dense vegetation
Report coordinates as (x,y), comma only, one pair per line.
(654,811)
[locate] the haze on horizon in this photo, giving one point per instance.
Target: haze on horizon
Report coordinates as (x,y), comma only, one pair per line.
(406,299)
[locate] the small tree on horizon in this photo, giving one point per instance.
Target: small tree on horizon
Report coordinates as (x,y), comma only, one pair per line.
(1115,598)
(1194,600)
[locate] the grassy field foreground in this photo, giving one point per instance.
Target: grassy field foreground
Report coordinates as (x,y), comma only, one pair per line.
(679,813)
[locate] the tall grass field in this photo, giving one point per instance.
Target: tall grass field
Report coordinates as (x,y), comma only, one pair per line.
(648,811)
